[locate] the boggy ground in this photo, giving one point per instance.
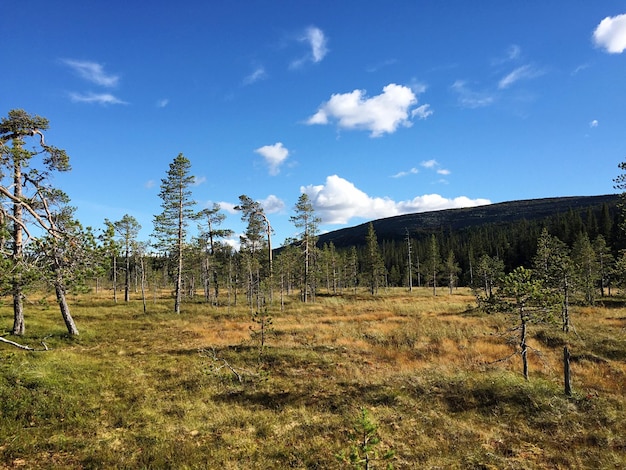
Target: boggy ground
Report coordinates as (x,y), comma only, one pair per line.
(197,390)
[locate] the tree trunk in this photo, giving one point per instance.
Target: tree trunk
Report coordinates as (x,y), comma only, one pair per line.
(523,344)
(566,372)
(65,310)
(19,326)
(127,278)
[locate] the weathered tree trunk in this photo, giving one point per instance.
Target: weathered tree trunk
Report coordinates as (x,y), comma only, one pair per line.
(566,306)
(566,372)
(523,345)
(19,326)
(127,277)
(65,309)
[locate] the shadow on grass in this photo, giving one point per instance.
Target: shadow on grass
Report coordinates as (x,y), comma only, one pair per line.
(342,400)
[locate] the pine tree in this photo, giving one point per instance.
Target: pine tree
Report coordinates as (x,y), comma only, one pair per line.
(170,227)
(373,266)
(308,223)
(24,193)
(127,229)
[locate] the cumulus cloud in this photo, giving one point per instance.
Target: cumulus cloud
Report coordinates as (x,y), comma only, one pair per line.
(610,34)
(379,114)
(92,72)
(228,207)
(525,72)
(274,155)
(594,123)
(338,200)
(97,98)
(272,204)
(469,98)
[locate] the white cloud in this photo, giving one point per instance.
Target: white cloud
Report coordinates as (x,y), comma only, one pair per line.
(610,34)
(422,112)
(198,180)
(525,72)
(594,123)
(93,72)
(412,171)
(443,171)
(98,98)
(468,98)
(274,156)
(162,103)
(228,207)
(272,204)
(338,200)
(379,114)
(316,39)
(258,74)
(429,163)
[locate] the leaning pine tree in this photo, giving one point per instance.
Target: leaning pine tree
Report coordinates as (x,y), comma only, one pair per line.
(27,163)
(170,226)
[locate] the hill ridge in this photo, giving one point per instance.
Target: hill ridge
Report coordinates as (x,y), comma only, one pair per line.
(395,227)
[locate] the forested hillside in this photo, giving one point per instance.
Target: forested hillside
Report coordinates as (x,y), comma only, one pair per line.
(508,231)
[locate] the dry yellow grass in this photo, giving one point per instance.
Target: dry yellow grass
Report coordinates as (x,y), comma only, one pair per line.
(144,391)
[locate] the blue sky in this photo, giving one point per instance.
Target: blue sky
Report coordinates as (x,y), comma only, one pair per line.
(373,108)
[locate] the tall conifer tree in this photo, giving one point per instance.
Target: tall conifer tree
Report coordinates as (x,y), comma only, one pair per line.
(170,226)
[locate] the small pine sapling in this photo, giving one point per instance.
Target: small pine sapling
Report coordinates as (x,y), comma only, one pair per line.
(364,451)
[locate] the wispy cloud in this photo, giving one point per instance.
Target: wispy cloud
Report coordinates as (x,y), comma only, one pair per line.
(162,103)
(610,34)
(434,165)
(258,74)
(318,43)
(198,180)
(337,201)
(95,98)
(469,98)
(525,72)
(92,72)
(379,114)
(579,69)
(274,155)
(402,174)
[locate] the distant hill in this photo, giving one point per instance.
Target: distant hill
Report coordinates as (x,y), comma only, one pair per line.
(394,228)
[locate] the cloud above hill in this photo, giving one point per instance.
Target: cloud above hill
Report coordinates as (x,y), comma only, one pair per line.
(338,200)
(380,114)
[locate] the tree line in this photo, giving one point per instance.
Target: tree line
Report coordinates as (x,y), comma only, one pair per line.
(44,246)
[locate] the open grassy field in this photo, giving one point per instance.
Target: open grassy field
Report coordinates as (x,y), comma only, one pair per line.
(196,390)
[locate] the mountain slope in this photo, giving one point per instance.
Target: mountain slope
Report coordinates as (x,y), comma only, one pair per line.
(394,228)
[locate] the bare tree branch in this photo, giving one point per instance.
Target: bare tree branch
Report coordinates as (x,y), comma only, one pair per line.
(21,346)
